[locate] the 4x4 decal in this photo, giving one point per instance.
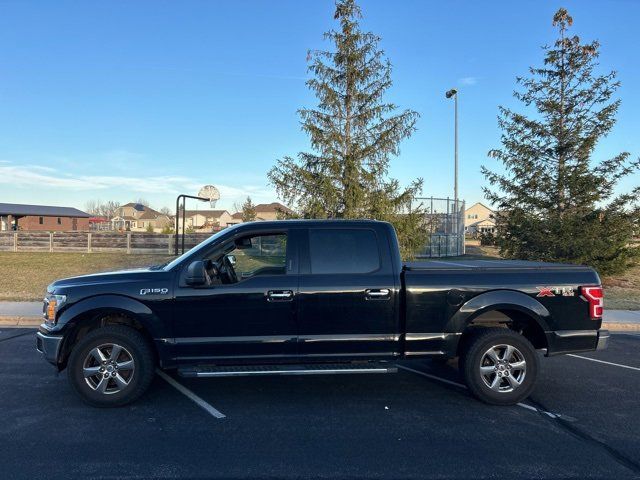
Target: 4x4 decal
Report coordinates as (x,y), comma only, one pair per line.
(553,291)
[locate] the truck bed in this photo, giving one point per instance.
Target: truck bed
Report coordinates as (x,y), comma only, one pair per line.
(490,265)
(436,291)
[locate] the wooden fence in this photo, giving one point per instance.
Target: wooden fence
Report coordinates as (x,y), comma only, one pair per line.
(94,242)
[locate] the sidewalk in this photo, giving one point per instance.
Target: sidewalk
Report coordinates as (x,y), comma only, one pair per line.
(29,314)
(21,309)
(621,320)
(20,314)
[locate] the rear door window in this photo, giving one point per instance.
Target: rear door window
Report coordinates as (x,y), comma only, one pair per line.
(343,251)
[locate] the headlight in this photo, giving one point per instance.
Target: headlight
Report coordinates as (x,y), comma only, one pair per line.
(52,305)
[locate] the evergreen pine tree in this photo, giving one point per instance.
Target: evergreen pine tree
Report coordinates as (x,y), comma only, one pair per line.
(353,134)
(555,201)
(248,211)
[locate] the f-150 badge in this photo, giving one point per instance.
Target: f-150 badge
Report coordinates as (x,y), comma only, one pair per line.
(154,291)
(553,291)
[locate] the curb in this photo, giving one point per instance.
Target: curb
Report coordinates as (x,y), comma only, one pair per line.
(621,327)
(32,322)
(6,321)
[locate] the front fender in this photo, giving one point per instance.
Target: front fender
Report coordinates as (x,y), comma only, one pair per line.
(101,304)
(498,300)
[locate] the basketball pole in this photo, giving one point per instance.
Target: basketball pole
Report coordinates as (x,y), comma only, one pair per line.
(184,198)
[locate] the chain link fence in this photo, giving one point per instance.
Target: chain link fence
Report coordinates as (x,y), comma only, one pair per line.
(444,220)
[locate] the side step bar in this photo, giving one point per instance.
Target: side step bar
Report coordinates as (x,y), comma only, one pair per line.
(312,369)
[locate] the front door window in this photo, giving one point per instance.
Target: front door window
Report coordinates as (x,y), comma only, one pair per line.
(248,257)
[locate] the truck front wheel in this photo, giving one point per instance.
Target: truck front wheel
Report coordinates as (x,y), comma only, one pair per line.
(499,366)
(111,366)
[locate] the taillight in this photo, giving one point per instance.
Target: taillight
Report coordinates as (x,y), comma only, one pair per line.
(596,301)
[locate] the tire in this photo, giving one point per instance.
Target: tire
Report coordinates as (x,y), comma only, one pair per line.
(119,365)
(499,366)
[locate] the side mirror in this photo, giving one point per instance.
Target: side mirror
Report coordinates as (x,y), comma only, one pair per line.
(243,243)
(196,274)
(232,259)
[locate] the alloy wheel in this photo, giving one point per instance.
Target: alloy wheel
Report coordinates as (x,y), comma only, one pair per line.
(108,368)
(503,368)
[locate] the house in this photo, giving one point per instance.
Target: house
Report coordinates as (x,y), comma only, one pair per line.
(479,218)
(271,211)
(237,218)
(139,218)
(206,220)
(15,216)
(264,211)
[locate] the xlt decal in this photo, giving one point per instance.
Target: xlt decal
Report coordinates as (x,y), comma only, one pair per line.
(553,291)
(152,291)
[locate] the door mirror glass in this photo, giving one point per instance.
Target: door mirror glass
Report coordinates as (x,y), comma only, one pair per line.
(232,259)
(196,274)
(243,243)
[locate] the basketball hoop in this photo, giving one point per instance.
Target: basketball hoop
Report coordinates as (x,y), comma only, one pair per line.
(211,193)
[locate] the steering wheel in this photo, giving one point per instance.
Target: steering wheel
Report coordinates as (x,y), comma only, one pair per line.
(228,270)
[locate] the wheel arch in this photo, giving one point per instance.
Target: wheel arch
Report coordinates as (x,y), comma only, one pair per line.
(509,308)
(95,312)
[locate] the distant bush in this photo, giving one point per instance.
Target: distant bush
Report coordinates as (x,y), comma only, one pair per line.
(487,239)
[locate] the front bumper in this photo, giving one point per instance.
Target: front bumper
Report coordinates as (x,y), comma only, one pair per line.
(49,346)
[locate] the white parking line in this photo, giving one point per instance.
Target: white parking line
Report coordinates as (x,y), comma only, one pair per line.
(602,361)
(534,409)
(456,384)
(185,391)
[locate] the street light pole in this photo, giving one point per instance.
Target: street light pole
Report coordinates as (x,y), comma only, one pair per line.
(455,140)
(454,93)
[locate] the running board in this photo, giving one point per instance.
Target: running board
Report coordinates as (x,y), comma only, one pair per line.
(311,369)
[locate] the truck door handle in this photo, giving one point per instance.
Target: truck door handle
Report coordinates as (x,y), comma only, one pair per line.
(279,295)
(377,294)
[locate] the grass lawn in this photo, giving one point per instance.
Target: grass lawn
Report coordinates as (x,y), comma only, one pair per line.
(623,291)
(25,275)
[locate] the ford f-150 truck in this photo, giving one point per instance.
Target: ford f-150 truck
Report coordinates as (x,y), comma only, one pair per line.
(316,297)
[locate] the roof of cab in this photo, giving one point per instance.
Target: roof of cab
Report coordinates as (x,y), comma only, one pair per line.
(303,222)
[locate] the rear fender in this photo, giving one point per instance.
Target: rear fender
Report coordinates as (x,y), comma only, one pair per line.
(497,300)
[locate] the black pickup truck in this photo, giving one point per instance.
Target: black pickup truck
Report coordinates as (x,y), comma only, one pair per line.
(315,297)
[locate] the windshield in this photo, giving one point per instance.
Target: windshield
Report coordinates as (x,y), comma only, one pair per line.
(197,248)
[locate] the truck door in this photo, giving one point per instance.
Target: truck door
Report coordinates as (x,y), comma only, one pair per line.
(250,318)
(348,297)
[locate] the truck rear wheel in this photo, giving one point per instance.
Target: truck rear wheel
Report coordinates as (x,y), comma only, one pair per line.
(111,366)
(499,366)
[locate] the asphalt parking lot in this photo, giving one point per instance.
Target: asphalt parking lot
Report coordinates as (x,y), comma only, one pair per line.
(583,421)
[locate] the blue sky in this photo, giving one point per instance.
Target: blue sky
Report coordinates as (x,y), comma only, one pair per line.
(121,100)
